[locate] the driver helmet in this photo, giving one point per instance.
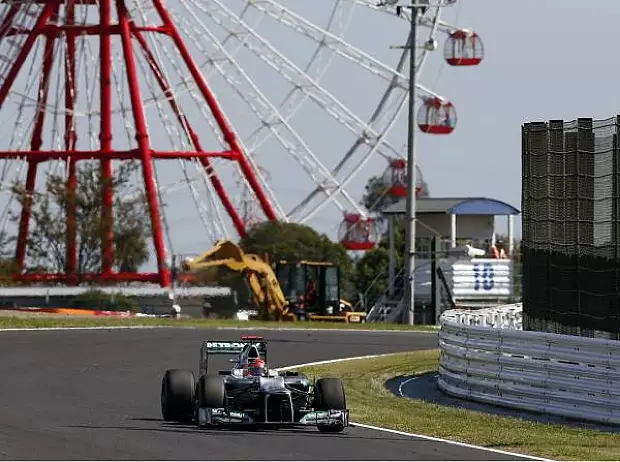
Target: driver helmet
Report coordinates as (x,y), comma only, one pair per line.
(256,368)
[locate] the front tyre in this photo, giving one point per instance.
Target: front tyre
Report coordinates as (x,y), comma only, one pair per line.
(177,395)
(210,394)
(329,394)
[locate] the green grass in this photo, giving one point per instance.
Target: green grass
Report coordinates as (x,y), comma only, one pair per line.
(371,403)
(67,321)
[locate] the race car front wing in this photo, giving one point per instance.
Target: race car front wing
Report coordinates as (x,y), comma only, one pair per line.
(220,416)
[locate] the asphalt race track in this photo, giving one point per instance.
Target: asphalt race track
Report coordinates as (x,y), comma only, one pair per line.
(94,394)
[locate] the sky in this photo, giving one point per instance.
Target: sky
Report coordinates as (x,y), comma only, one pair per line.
(544,59)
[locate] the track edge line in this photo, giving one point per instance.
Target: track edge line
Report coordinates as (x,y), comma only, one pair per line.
(402,433)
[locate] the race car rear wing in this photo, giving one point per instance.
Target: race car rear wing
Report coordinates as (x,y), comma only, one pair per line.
(228,347)
(214,347)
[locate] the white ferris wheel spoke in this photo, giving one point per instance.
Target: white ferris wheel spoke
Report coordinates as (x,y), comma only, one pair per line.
(266,52)
(214,203)
(213,227)
(296,76)
(398,81)
(396,78)
(307,208)
(295,99)
(198,100)
(337,44)
(256,100)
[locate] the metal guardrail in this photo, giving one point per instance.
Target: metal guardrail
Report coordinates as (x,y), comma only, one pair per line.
(486,357)
(502,317)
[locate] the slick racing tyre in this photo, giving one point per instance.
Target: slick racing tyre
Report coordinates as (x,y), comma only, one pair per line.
(177,395)
(210,392)
(329,394)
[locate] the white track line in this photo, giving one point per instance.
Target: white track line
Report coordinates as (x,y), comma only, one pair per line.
(441,440)
(397,432)
(332,361)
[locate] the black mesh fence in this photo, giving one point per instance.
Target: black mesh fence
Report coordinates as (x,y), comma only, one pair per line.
(570,205)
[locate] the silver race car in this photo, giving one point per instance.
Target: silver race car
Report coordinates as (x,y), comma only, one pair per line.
(250,393)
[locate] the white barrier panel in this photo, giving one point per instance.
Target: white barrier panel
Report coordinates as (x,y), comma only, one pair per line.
(482,278)
(577,377)
(471,279)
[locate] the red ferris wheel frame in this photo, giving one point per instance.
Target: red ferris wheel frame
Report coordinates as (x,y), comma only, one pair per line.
(127,29)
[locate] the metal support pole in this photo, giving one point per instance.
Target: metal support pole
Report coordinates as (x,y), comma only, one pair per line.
(511,237)
(435,287)
(453,230)
(392,257)
(410,237)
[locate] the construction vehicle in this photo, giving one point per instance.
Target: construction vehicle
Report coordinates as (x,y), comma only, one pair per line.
(311,289)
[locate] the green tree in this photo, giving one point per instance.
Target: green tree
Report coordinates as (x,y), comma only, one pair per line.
(371,270)
(371,274)
(377,197)
(293,241)
(98,300)
(48,224)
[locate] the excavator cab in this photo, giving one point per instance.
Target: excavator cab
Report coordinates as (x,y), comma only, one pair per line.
(311,288)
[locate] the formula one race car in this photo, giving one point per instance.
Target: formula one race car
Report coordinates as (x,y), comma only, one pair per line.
(250,393)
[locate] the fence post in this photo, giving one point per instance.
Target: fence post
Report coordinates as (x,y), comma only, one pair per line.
(435,287)
(535,239)
(616,223)
(557,203)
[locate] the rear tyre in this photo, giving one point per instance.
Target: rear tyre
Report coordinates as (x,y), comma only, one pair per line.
(329,394)
(177,395)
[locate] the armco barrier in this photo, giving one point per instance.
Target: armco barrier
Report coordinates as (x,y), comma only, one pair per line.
(503,317)
(563,375)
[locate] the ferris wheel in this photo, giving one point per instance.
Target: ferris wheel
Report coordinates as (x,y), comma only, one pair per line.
(237,111)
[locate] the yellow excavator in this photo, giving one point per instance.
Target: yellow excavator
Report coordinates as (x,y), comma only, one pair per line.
(264,287)
(311,289)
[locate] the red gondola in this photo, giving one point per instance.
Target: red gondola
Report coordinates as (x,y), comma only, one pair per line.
(395,177)
(437,117)
(357,232)
(463,48)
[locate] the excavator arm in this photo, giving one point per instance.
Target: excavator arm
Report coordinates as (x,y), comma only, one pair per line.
(266,292)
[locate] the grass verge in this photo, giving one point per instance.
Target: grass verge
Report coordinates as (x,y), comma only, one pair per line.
(33,321)
(371,403)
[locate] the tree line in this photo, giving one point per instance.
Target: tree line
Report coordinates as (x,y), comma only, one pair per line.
(47,237)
